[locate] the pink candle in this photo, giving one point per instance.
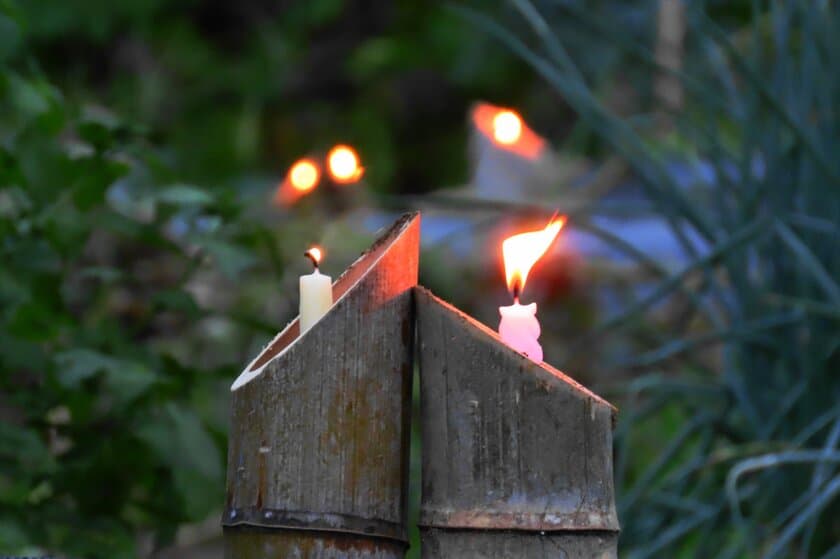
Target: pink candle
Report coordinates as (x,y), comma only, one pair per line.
(519,327)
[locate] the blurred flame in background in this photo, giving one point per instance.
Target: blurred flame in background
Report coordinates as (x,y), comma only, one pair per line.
(304,175)
(343,167)
(343,164)
(506,129)
(301,179)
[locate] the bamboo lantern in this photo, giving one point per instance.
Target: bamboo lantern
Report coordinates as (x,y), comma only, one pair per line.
(318,455)
(517,457)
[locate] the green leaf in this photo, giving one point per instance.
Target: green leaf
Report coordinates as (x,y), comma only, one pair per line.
(177,300)
(231,259)
(95,134)
(13,491)
(125,380)
(34,320)
(77,365)
(22,354)
(198,493)
(12,537)
(178,438)
(105,274)
(10,37)
(184,195)
(27,97)
(95,175)
(24,447)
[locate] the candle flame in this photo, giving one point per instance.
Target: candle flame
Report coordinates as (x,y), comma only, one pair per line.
(507,130)
(344,165)
(304,175)
(507,127)
(520,252)
(314,254)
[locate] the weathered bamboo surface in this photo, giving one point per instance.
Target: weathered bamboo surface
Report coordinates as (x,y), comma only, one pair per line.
(517,457)
(481,544)
(318,453)
(283,544)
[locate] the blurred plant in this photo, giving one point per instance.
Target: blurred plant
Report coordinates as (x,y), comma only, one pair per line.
(737,458)
(110,427)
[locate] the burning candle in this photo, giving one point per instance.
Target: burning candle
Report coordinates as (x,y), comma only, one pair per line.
(343,164)
(519,327)
(315,293)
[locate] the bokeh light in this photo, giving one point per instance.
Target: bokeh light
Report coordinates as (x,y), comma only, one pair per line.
(343,164)
(507,127)
(304,175)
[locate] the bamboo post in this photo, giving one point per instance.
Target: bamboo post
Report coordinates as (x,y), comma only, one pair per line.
(319,439)
(517,457)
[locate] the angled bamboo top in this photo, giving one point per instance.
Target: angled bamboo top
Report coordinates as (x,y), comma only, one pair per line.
(345,282)
(475,328)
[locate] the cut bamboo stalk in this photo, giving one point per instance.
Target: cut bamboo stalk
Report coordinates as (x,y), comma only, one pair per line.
(517,457)
(319,439)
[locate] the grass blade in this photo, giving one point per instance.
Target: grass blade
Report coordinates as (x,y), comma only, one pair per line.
(742,332)
(761,87)
(810,261)
(813,510)
(763,462)
(739,238)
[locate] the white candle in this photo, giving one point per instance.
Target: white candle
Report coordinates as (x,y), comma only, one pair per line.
(520,329)
(315,293)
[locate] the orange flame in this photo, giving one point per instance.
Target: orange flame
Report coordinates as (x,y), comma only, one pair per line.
(343,164)
(301,179)
(507,127)
(507,130)
(315,254)
(520,252)
(304,175)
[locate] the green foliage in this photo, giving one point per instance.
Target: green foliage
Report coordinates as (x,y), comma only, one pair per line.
(735,457)
(108,430)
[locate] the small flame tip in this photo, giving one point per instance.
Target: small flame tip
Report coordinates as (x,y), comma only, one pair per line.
(314,254)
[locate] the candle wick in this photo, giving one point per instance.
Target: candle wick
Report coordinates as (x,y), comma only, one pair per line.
(515,291)
(312,259)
